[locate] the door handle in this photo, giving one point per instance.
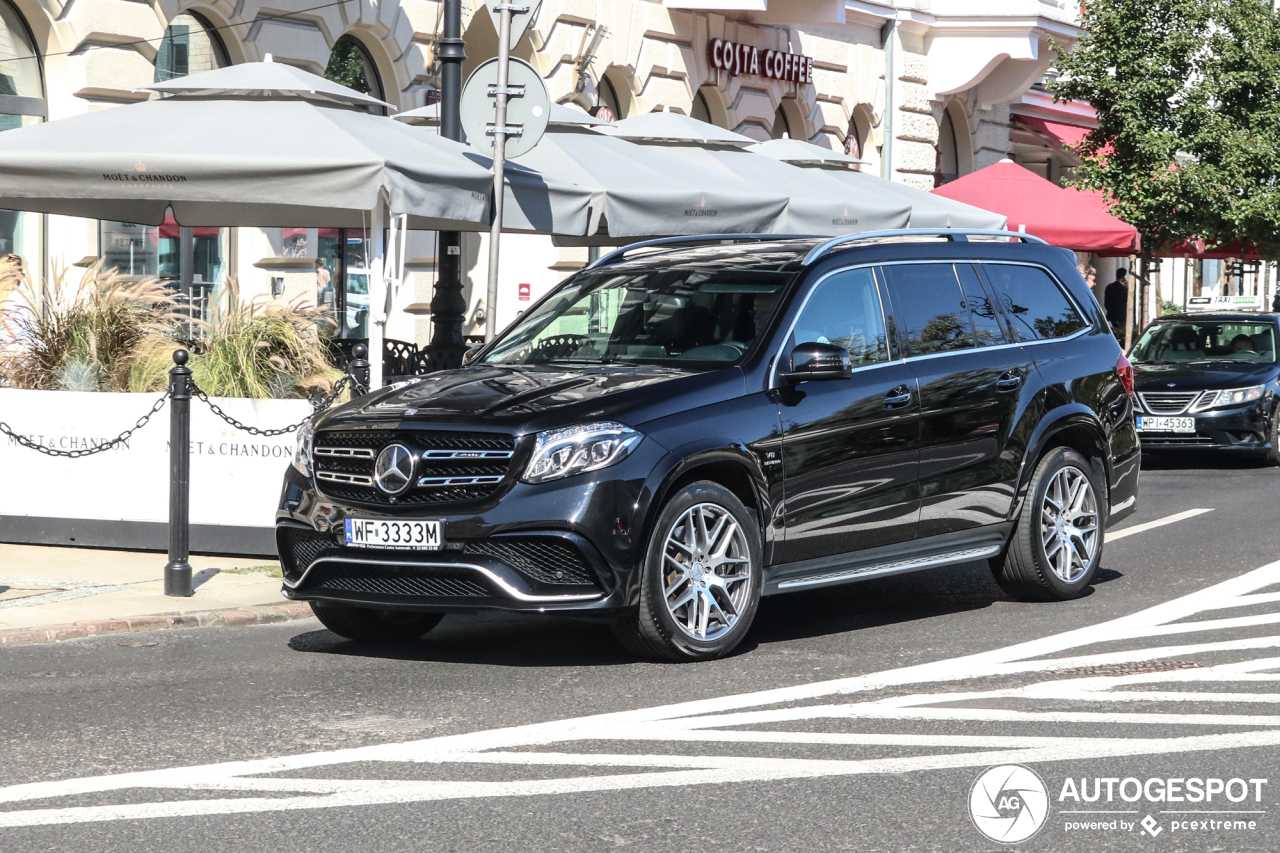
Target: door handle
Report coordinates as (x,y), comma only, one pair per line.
(1009,381)
(898,397)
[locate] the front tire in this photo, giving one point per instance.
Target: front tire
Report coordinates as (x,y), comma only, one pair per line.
(375,626)
(701,578)
(1056,545)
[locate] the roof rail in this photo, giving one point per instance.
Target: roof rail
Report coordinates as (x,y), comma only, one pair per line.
(959,235)
(618,254)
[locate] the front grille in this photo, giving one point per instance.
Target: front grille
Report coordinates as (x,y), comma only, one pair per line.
(452,467)
(1168,402)
(394,580)
(542,558)
(1177,441)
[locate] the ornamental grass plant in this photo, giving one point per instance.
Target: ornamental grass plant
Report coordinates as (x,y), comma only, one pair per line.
(111,333)
(261,349)
(84,335)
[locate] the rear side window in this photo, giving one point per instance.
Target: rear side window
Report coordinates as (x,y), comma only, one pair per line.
(930,307)
(1033,301)
(845,310)
(987,328)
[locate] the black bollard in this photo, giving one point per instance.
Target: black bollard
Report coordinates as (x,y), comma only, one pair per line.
(177,572)
(359,368)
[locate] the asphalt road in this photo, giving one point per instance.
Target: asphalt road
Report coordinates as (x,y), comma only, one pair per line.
(855,719)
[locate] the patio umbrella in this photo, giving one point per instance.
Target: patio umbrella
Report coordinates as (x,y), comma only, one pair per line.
(263,151)
(927,210)
(254,144)
(816,204)
(1067,219)
(638,192)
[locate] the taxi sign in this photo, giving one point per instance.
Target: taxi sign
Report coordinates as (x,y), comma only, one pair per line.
(1224,303)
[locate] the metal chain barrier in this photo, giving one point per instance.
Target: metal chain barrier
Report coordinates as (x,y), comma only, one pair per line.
(100,448)
(317,406)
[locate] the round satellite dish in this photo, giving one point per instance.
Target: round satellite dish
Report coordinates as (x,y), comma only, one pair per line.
(530,111)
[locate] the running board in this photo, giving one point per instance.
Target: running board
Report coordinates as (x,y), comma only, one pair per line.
(898,566)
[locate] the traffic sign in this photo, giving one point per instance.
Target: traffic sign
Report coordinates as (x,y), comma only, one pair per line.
(528,107)
(523,13)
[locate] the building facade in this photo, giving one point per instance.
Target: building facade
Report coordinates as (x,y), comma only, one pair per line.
(922,90)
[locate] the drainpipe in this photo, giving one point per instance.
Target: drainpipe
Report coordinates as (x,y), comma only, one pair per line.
(888,36)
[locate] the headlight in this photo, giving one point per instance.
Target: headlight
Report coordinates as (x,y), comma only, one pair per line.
(572,450)
(302,455)
(1232,397)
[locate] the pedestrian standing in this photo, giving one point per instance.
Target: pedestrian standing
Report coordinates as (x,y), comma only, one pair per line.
(1115,302)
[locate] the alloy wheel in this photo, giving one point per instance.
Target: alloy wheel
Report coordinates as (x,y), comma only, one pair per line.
(1069,524)
(706,571)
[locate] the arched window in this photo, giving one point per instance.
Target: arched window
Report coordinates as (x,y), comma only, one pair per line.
(954,156)
(609,97)
(701,110)
(781,127)
(351,66)
(189,46)
(22,103)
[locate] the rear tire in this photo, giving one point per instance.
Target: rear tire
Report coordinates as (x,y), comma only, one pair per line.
(375,626)
(1056,546)
(701,578)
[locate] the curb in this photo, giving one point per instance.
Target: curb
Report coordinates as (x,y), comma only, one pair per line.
(262,615)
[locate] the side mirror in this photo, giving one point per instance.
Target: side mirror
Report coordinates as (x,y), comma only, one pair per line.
(814,361)
(470,354)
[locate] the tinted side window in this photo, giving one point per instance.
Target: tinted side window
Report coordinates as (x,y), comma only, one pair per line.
(929,307)
(987,327)
(845,310)
(1033,301)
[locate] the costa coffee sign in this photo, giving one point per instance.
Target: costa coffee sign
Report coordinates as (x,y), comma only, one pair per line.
(746,59)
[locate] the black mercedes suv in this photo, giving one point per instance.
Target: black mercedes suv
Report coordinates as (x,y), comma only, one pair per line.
(1210,380)
(688,425)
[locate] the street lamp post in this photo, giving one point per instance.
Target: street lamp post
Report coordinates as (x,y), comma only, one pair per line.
(447,304)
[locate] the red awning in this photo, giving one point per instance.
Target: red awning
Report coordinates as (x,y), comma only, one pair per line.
(1063,134)
(1066,218)
(170,231)
(1198,249)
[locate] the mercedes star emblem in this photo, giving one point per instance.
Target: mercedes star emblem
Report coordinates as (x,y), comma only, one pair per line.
(393,472)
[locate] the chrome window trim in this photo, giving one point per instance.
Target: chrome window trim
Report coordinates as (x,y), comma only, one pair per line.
(506,588)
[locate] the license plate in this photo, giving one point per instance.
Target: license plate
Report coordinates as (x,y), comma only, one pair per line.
(1146,423)
(427,535)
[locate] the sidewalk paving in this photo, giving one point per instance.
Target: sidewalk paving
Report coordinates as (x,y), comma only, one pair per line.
(49,594)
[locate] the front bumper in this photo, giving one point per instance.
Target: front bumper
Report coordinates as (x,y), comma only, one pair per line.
(566,546)
(1241,428)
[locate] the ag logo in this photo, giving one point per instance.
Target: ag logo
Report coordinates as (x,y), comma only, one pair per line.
(1009,803)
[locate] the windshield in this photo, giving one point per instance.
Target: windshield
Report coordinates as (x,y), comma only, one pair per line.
(687,318)
(1185,341)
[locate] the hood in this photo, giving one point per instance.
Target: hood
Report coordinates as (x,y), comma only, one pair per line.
(526,399)
(1201,375)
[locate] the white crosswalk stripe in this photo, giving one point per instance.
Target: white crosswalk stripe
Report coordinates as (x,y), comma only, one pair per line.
(1101,676)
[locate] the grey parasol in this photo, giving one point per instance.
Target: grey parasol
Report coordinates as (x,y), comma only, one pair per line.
(266,151)
(927,210)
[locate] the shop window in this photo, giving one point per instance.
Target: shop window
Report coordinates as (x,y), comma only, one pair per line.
(350,65)
(146,250)
(189,46)
(22,103)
